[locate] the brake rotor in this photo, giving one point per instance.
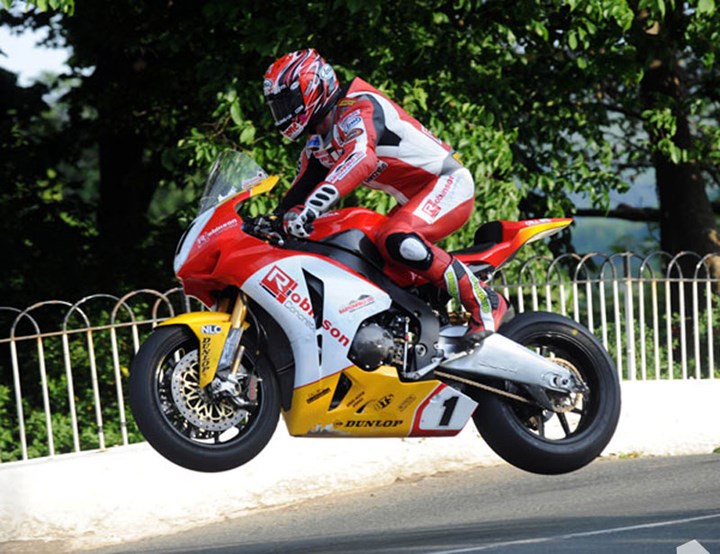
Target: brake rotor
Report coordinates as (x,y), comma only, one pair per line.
(198,407)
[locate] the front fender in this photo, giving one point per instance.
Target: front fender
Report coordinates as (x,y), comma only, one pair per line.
(211,329)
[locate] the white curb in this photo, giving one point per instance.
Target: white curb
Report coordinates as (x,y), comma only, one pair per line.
(128,493)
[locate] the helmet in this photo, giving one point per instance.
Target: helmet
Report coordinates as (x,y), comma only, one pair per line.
(300,88)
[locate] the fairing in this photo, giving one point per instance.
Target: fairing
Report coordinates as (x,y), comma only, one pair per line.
(320,304)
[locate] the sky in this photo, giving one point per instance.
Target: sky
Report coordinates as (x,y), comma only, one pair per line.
(20,54)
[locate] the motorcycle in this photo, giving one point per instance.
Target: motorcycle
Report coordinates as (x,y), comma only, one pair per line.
(346,345)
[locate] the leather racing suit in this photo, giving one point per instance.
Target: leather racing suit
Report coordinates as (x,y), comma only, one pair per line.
(374,142)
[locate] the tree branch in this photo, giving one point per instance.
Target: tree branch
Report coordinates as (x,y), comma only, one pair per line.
(623,211)
(631,213)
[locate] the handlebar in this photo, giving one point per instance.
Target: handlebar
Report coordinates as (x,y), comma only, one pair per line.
(267,227)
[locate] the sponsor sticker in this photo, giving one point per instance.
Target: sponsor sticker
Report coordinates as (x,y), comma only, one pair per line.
(431,208)
(318,395)
(379,168)
(361,302)
(205,237)
(345,167)
(481,296)
(452,284)
(389,423)
(351,121)
(356,400)
(384,402)
(279,284)
(407,402)
(441,197)
(205,348)
(211,329)
(283,287)
(352,135)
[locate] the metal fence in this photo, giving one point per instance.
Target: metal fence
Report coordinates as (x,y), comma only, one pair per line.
(63,369)
(63,366)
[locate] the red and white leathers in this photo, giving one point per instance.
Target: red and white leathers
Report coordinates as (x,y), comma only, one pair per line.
(373,142)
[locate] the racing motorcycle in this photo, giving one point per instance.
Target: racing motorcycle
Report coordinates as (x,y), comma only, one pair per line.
(346,345)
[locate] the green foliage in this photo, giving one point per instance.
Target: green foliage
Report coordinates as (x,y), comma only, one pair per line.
(543,102)
(67,6)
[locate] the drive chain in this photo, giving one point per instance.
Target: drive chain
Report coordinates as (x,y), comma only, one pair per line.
(484,387)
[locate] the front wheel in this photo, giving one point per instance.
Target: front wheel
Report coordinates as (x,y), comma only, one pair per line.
(190,426)
(566,439)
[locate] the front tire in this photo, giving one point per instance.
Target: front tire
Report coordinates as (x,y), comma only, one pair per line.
(189,426)
(543,441)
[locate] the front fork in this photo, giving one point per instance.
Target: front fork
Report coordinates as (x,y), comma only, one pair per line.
(219,335)
(228,378)
(233,351)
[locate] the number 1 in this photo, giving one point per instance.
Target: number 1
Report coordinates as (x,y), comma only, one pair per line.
(449,406)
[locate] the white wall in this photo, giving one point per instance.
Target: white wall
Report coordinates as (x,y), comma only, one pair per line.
(131,492)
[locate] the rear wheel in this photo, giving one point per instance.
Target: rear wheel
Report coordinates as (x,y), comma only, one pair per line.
(191,426)
(580,426)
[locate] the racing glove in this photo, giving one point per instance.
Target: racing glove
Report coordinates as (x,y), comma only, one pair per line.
(298,220)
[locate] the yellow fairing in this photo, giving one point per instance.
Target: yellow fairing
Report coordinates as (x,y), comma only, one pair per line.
(543,229)
(211,329)
(265,185)
(375,404)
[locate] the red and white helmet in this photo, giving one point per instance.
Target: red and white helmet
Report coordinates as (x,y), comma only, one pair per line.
(300,88)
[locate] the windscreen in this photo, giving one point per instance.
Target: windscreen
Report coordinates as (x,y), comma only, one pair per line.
(232,172)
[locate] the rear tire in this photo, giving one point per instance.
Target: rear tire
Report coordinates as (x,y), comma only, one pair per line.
(189,428)
(523,434)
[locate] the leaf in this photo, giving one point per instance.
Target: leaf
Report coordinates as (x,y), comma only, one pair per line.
(440,18)
(247,135)
(675,154)
(661,7)
(236,114)
(706,6)
(572,40)
(540,29)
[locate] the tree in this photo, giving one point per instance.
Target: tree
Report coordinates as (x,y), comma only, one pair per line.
(565,97)
(542,101)
(678,93)
(626,87)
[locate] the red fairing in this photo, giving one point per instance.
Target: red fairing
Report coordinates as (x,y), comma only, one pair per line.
(514,235)
(345,219)
(368,222)
(225,255)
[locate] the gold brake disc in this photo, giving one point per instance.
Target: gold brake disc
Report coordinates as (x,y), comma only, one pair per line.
(204,412)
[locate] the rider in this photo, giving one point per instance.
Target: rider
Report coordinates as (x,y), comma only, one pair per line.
(358,136)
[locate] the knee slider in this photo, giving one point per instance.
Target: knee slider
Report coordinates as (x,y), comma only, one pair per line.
(409,249)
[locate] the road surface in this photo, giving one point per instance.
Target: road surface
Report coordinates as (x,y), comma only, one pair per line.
(645,505)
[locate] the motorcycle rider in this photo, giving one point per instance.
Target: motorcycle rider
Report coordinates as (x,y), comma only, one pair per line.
(358,136)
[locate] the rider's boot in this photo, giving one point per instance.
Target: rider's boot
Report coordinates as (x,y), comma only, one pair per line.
(486,307)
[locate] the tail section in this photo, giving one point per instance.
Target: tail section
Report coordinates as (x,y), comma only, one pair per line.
(497,242)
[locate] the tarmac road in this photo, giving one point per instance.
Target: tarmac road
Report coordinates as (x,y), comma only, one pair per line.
(645,505)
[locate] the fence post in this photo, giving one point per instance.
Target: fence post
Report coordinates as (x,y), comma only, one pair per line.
(629,318)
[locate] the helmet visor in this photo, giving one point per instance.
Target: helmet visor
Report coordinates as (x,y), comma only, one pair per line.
(285,105)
